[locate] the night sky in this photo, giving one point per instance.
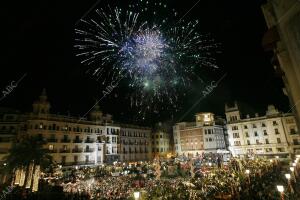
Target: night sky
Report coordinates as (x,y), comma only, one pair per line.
(38,40)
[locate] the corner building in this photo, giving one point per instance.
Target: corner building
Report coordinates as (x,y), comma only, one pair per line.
(274,134)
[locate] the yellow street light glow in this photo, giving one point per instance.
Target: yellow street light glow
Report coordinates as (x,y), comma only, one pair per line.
(280,188)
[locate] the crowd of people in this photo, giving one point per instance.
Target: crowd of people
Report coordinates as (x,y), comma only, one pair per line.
(183,179)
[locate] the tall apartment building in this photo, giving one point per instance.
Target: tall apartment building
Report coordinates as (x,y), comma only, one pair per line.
(283,38)
(205,135)
(74,141)
(273,134)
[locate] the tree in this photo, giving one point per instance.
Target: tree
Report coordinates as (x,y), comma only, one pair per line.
(27,150)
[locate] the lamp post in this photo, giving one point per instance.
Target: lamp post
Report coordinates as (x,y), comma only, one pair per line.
(280,189)
(288,177)
(136,195)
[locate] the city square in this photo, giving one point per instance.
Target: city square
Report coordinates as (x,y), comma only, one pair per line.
(150,100)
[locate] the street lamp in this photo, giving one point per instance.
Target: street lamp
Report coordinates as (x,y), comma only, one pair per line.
(280,189)
(136,195)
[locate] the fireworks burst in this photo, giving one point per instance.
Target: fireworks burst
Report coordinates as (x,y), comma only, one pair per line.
(159,56)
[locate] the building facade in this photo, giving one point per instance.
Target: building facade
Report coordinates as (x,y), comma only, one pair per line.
(274,134)
(283,38)
(205,135)
(135,143)
(74,141)
(161,147)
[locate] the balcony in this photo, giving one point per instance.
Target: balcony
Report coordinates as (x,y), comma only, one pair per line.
(89,141)
(77,150)
(65,141)
(64,151)
(52,140)
(89,150)
(77,141)
(51,151)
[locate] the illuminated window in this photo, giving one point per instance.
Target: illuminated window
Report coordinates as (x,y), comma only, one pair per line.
(51,147)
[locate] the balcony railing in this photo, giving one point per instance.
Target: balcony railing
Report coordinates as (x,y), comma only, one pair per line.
(64,151)
(52,151)
(77,141)
(76,150)
(65,141)
(51,140)
(89,150)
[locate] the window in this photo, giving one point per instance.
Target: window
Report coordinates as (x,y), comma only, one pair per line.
(254,125)
(268,150)
(295,141)
(267,141)
(257,142)
(275,123)
(248,142)
(75,159)
(263,125)
(237,143)
(265,132)
(51,147)
(245,127)
(280,149)
(236,135)
(278,140)
(247,134)
(276,131)
(255,133)
(160,136)
(292,131)
(63,159)
(235,128)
